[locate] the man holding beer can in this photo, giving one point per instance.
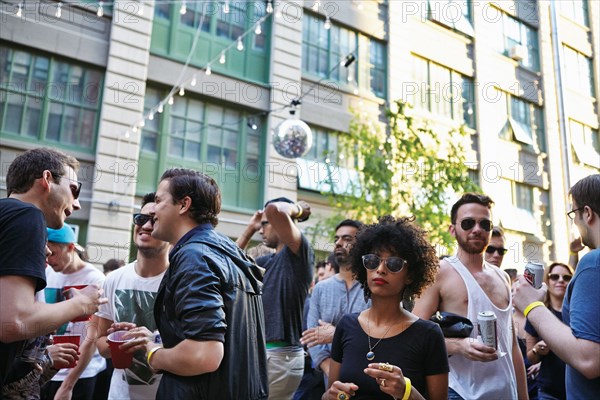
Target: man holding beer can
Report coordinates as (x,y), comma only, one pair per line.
(467,285)
(577,340)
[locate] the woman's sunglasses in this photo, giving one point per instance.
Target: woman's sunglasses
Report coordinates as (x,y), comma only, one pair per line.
(554,277)
(491,249)
(142,219)
(468,224)
(393,264)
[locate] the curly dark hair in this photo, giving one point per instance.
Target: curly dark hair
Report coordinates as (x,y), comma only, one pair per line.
(402,238)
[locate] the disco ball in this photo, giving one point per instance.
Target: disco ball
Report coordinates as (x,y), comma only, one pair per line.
(292,138)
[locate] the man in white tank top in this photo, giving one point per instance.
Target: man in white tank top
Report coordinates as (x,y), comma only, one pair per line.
(466,285)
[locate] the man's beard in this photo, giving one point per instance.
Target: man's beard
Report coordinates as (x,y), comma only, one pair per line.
(151,252)
(471,248)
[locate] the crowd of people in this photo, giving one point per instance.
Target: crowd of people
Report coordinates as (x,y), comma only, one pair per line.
(201,319)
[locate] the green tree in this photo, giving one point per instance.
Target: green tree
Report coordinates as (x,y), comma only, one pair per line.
(406,169)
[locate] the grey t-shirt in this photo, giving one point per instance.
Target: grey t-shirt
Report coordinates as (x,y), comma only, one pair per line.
(286,282)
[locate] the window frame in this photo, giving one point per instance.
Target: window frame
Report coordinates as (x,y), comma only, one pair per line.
(47,93)
(359,74)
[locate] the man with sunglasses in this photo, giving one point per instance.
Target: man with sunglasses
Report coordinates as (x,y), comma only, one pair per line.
(577,340)
(208,308)
(131,291)
(333,298)
(495,251)
(465,285)
(42,191)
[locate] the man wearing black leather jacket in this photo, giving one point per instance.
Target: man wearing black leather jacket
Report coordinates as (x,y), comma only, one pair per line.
(208,308)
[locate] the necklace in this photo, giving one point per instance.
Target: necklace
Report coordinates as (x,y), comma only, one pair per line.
(371,354)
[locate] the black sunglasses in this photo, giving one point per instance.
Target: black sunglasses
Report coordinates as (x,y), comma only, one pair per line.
(491,249)
(554,277)
(75,190)
(468,224)
(393,264)
(142,219)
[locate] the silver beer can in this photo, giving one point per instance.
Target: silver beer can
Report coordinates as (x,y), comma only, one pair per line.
(534,273)
(486,320)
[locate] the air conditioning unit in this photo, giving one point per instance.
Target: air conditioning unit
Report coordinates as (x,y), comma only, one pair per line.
(517,52)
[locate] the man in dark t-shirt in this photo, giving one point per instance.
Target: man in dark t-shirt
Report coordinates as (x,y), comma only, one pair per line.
(288,274)
(42,190)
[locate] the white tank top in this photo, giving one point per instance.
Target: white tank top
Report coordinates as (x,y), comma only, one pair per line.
(484,380)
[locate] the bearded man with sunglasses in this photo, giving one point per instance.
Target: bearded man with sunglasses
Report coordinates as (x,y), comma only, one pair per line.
(131,292)
(466,285)
(42,191)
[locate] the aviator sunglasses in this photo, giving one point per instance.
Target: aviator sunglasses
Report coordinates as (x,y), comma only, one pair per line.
(468,224)
(491,249)
(554,277)
(141,219)
(393,264)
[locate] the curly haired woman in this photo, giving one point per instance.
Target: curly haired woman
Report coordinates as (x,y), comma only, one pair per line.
(386,350)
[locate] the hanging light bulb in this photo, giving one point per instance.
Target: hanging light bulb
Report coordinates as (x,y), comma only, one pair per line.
(126,134)
(183,8)
(278,14)
(143,123)
(19,10)
(134,129)
(208,70)
(141,9)
(226,7)
(170,101)
(258,29)
(240,44)
(193,81)
(100,11)
(327,24)
(269,7)
(58,13)
(315,7)
(151,116)
(160,108)
(181,91)
(222,58)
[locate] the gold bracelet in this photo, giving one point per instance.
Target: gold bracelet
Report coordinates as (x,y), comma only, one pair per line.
(531,307)
(407,388)
(151,353)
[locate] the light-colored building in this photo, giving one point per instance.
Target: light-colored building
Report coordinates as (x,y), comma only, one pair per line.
(125,86)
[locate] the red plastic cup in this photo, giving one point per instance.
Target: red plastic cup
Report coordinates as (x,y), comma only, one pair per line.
(78,287)
(120,358)
(75,339)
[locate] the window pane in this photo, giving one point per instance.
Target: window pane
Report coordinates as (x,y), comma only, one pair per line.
(40,74)
(33,117)
(14,112)
(20,69)
(54,121)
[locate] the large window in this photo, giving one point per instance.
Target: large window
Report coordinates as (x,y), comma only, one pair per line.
(174,31)
(325,168)
(48,100)
(524,121)
(324,50)
(577,10)
(586,143)
(579,75)
(441,91)
(455,14)
(523,196)
(212,138)
(516,40)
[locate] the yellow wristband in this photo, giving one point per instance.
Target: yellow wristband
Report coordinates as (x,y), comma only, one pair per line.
(300,211)
(531,307)
(407,388)
(151,353)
